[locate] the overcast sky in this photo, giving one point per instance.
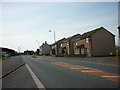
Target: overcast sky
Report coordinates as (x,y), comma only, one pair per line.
(24,23)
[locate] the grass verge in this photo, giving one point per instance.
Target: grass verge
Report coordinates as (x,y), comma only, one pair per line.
(4,58)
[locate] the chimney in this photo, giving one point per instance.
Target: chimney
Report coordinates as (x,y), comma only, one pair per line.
(45,42)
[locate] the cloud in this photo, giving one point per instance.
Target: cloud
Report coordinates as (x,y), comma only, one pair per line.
(16,28)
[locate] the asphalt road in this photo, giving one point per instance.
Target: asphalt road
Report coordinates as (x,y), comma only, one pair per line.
(55,75)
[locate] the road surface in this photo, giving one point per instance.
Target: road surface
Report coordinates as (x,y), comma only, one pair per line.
(56,72)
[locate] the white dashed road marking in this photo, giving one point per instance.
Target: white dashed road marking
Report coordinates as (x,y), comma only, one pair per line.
(36,80)
(90,71)
(78,68)
(110,76)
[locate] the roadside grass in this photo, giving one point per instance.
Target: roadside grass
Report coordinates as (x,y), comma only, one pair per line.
(4,58)
(114,59)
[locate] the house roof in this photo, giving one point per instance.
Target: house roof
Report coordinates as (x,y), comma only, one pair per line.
(59,41)
(90,33)
(44,44)
(119,27)
(73,36)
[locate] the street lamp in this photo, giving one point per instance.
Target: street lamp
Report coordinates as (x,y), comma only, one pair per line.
(55,42)
(54,35)
(38,43)
(119,31)
(119,36)
(19,48)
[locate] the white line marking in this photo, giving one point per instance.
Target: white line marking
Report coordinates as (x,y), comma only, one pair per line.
(87,67)
(90,71)
(37,81)
(79,68)
(110,76)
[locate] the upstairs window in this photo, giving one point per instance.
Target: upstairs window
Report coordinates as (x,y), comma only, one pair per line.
(87,40)
(76,43)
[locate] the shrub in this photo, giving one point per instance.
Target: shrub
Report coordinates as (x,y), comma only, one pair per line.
(118,52)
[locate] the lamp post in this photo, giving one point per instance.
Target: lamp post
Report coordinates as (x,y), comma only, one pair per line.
(38,50)
(119,32)
(55,42)
(38,43)
(118,50)
(54,35)
(19,49)
(119,37)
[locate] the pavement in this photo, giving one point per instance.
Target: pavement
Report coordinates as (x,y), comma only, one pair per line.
(15,74)
(11,64)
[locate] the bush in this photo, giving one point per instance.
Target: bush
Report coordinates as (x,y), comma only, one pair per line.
(118,52)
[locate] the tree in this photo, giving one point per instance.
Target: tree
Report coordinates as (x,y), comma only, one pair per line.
(37,51)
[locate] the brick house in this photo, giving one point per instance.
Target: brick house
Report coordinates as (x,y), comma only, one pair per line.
(64,47)
(98,42)
(56,47)
(70,42)
(67,45)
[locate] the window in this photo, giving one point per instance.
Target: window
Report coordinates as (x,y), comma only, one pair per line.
(61,45)
(67,43)
(76,51)
(55,46)
(87,50)
(76,43)
(87,40)
(82,51)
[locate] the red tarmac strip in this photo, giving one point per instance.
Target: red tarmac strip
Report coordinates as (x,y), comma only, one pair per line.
(87,70)
(36,58)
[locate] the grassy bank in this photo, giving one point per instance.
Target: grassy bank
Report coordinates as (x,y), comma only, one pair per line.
(4,58)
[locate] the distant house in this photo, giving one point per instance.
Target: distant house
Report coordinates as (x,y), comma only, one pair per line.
(98,42)
(28,52)
(45,49)
(56,47)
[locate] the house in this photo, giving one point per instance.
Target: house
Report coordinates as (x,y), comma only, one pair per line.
(53,49)
(45,49)
(70,42)
(29,52)
(98,42)
(56,47)
(64,48)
